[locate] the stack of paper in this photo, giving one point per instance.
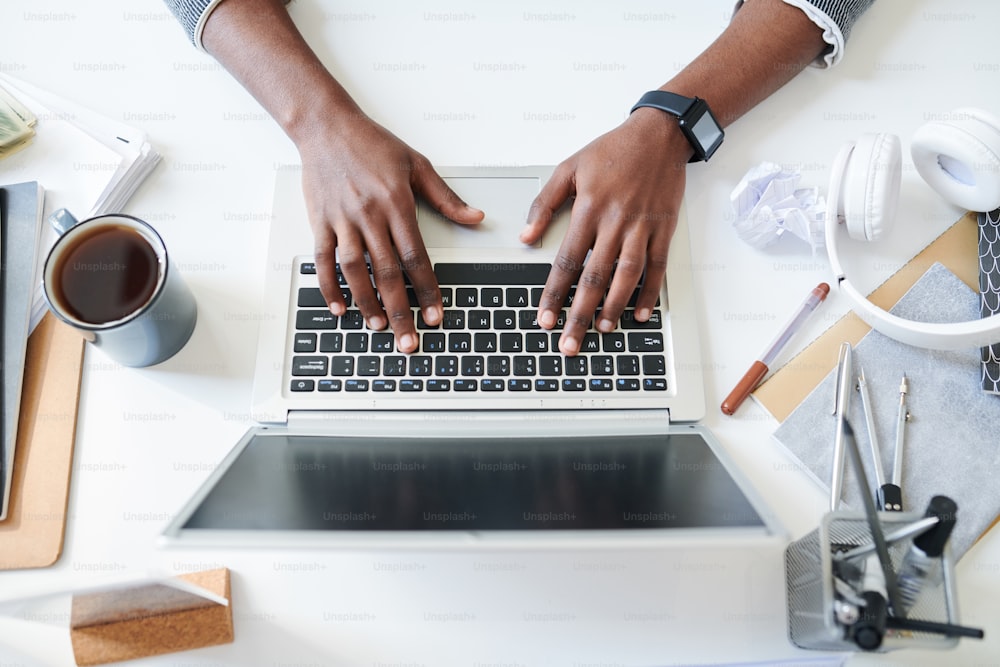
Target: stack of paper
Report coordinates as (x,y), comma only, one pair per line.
(87,163)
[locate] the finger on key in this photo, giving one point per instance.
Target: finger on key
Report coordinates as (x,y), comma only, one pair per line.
(590,290)
(567,265)
(628,273)
(325,257)
(414,262)
(656,270)
(354,266)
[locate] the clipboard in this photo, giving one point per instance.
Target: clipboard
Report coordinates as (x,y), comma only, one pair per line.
(957,249)
(32,534)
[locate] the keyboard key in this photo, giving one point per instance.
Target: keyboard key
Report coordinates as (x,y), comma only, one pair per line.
(342,366)
(446,365)
(433,342)
(648,341)
(304,342)
(422,324)
(309,366)
(315,319)
(420,366)
(489,384)
(465,384)
(438,385)
(479,319)
(527,319)
(576,365)
(654,364)
(516,297)
(356,342)
(613,342)
(505,319)
(497,366)
(466,297)
(303,385)
(382,341)
(307,268)
(519,385)
(459,342)
(524,365)
(331,342)
(628,320)
(628,364)
(549,365)
(453,319)
(411,385)
(536,296)
(590,343)
(383,385)
(472,365)
(492,297)
(484,342)
(602,364)
(601,384)
(511,342)
(311,297)
(491,274)
(536,342)
(368,365)
(574,384)
(627,384)
(394,366)
(356,385)
(447,298)
(329,385)
(547,384)
(654,384)
(352,319)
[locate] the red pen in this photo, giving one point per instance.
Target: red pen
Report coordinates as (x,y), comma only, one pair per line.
(759,368)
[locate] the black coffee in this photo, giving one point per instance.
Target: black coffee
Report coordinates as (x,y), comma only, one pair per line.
(106,274)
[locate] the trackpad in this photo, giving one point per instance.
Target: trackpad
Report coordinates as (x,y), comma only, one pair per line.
(505,201)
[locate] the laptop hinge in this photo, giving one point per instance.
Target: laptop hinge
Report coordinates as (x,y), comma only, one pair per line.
(507,422)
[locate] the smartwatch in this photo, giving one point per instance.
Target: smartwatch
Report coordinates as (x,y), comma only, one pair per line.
(694,117)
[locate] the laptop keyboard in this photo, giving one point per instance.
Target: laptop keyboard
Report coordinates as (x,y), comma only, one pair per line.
(489,342)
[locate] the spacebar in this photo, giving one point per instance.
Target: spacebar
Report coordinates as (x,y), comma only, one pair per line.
(487,273)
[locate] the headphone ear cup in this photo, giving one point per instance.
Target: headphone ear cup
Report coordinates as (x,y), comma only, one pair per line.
(960,159)
(870,189)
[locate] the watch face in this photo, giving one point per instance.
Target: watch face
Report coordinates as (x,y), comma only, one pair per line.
(707,133)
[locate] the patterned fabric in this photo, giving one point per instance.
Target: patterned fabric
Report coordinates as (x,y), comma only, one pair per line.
(989,292)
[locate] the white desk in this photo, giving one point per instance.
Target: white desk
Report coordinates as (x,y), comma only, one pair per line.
(517,83)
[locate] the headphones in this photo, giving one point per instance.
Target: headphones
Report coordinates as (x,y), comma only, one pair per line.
(960,160)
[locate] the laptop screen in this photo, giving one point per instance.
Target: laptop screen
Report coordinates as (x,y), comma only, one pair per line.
(327,483)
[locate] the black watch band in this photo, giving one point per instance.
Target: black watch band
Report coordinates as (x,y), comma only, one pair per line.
(695,119)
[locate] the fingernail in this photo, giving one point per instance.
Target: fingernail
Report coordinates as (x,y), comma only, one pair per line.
(377,323)
(605,326)
(336,308)
(432,314)
(408,342)
(642,314)
(568,345)
(547,319)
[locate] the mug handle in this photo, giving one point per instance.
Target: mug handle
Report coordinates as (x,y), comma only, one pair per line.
(63,221)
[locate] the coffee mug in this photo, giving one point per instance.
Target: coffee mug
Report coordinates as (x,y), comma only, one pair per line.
(110,277)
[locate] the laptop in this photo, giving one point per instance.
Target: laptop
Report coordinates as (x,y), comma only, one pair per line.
(485,434)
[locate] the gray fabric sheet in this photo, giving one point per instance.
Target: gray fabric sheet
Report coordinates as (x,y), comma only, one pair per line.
(952,443)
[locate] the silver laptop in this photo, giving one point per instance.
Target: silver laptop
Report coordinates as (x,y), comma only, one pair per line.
(486,433)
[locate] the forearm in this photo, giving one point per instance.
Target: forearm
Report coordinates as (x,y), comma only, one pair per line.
(767,43)
(257,42)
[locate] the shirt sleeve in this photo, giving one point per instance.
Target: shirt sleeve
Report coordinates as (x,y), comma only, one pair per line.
(192,14)
(836,18)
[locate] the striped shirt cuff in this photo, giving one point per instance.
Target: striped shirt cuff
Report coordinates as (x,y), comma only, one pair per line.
(836,18)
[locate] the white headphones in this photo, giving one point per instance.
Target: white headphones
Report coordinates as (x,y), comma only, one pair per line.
(960,160)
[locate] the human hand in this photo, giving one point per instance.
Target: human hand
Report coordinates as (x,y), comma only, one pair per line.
(628,185)
(360,183)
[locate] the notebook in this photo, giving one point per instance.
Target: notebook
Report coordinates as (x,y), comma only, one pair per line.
(486,432)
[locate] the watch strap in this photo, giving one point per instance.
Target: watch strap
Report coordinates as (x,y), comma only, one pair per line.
(672,103)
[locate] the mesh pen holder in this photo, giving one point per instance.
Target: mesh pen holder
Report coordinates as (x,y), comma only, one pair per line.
(812,598)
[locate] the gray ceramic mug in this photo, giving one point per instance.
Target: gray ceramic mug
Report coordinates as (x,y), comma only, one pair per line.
(110,278)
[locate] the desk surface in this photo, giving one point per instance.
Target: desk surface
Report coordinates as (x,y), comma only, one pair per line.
(521,83)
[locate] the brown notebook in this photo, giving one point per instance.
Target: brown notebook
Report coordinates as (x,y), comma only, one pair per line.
(32,534)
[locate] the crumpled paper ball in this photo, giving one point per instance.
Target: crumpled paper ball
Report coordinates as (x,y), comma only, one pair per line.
(768,203)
